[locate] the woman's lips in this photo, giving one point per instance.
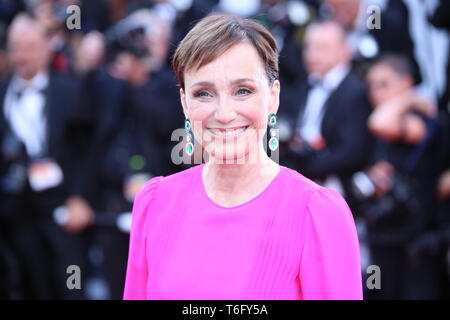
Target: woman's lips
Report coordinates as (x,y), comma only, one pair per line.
(227,132)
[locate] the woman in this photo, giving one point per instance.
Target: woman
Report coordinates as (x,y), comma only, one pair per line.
(239,226)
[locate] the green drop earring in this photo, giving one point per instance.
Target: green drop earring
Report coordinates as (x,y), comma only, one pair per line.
(189,148)
(273,141)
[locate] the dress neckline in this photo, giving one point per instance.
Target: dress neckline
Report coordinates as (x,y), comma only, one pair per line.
(271,185)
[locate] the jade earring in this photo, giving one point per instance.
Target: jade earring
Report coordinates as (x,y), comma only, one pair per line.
(273,141)
(189,148)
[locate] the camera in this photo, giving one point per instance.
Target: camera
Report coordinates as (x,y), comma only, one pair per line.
(401,201)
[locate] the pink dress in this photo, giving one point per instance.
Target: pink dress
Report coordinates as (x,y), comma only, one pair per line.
(295,240)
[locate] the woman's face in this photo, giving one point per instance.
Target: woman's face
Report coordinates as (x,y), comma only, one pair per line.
(228,102)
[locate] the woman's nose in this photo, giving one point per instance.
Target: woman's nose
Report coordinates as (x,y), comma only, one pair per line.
(225,112)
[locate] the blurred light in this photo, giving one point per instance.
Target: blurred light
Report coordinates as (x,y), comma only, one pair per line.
(137,162)
(97,289)
(182,5)
(242,8)
(298,12)
(368,47)
(124,222)
(60,215)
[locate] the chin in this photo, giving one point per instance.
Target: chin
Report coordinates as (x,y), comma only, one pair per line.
(233,150)
(229,159)
(244,153)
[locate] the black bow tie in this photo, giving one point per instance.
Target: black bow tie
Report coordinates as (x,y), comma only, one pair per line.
(19,93)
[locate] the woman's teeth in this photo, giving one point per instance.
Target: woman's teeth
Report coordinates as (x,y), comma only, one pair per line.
(228,132)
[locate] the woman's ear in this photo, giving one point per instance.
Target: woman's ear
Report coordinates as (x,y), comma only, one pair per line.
(274,97)
(183,103)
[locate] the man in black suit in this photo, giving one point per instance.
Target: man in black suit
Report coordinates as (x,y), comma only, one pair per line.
(42,148)
(329,114)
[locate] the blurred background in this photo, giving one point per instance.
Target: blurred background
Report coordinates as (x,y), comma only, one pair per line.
(88,104)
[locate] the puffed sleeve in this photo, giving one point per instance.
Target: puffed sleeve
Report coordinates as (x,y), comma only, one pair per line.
(137,272)
(330,261)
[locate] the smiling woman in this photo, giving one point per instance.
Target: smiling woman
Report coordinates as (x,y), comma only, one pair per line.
(229,98)
(232,104)
(236,227)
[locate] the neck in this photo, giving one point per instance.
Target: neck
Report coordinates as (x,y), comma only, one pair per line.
(232,179)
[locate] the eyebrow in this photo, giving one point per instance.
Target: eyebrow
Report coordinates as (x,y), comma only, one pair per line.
(210,84)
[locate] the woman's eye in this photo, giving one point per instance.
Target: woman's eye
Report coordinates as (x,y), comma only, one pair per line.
(201,94)
(243,91)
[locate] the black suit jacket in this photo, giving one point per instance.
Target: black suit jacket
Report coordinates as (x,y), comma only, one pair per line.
(64,130)
(344,129)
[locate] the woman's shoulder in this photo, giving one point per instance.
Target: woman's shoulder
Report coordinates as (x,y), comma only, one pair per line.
(294,180)
(160,190)
(170,183)
(317,198)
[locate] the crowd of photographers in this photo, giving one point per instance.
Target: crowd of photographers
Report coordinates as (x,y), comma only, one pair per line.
(87,113)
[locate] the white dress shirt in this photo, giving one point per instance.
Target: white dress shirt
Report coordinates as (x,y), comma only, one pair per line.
(24,110)
(309,124)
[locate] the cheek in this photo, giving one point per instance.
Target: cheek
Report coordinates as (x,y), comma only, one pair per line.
(199,113)
(386,94)
(315,55)
(256,112)
(375,97)
(377,94)
(308,57)
(257,117)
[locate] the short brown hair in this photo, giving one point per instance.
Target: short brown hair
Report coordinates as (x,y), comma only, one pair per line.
(215,34)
